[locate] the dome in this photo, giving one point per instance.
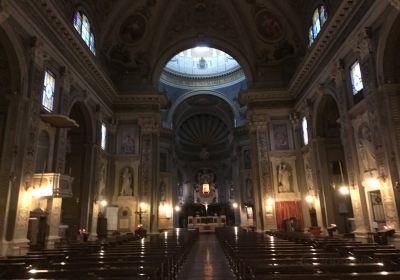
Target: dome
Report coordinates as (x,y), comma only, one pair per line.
(202,62)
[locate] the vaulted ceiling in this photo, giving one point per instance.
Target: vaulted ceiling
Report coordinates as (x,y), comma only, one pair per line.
(135,39)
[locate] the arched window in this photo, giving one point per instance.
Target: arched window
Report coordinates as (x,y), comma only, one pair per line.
(319,18)
(82,25)
(304,128)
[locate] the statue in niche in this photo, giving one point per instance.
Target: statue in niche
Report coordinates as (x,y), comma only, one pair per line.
(367,148)
(126,182)
(163,191)
(249,190)
(284,174)
(102,178)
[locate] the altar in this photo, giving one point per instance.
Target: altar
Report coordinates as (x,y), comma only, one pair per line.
(206,223)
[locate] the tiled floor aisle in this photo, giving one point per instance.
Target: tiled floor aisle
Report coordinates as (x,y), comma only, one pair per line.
(206,261)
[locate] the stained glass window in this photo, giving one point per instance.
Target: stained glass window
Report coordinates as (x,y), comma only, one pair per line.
(319,18)
(82,25)
(304,127)
(48,91)
(356,78)
(103,136)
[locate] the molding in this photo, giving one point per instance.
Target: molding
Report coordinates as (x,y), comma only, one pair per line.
(45,15)
(319,48)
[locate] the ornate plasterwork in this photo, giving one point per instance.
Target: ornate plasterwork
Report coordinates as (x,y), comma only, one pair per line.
(395,3)
(318,49)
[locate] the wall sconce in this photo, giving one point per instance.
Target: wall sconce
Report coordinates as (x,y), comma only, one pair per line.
(168,211)
(373,183)
(235,205)
(270,201)
(269,206)
(142,206)
(309,198)
(344,190)
(177,208)
(103,203)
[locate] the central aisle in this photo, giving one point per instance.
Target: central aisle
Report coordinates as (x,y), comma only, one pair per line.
(206,261)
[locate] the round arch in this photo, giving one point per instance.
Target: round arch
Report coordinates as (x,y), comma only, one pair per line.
(88,119)
(171,51)
(319,117)
(389,42)
(190,94)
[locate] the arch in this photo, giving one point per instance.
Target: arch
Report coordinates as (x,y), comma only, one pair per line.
(173,50)
(190,94)
(329,92)
(389,42)
(327,111)
(87,117)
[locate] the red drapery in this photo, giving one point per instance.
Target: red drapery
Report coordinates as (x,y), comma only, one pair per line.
(288,209)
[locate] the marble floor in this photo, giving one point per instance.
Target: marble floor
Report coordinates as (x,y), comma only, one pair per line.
(206,261)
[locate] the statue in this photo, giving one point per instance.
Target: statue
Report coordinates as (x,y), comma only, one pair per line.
(126,185)
(284,177)
(367,148)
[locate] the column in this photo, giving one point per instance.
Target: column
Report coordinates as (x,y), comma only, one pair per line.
(357,192)
(149,169)
(378,123)
(261,171)
(21,197)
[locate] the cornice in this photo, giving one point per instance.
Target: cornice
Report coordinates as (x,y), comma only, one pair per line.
(318,50)
(263,95)
(142,99)
(72,46)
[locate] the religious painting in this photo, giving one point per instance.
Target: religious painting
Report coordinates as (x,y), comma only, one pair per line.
(280,136)
(132,30)
(269,26)
(128,142)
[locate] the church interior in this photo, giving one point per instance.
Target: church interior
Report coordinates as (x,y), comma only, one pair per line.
(199,139)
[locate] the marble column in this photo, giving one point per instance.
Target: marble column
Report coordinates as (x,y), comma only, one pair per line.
(149,169)
(261,171)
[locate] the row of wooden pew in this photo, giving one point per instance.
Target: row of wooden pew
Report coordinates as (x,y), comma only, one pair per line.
(255,255)
(154,257)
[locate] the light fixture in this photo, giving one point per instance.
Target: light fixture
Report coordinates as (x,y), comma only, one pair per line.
(168,211)
(373,183)
(103,203)
(270,201)
(177,208)
(344,190)
(309,198)
(142,205)
(235,205)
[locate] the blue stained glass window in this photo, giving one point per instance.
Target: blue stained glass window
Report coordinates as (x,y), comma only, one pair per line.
(78,21)
(320,16)
(82,25)
(356,78)
(49,86)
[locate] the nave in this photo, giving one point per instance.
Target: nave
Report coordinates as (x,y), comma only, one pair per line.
(230,253)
